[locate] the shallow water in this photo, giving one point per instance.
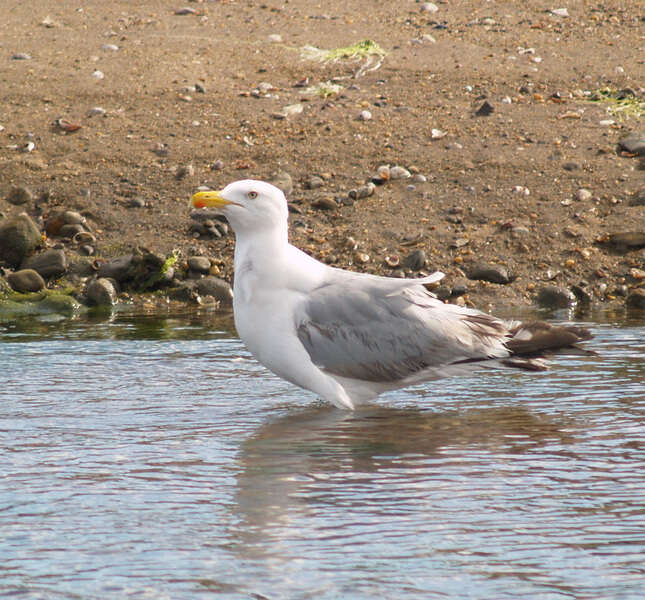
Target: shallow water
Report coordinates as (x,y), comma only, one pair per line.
(150,457)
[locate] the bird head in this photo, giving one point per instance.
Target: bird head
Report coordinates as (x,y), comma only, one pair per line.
(247,204)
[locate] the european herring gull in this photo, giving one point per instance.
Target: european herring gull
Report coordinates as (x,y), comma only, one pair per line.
(348,336)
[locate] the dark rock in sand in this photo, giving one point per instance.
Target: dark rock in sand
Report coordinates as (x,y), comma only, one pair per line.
(552,296)
(51,263)
(217,288)
(636,299)
(26,280)
(634,143)
(415,261)
(491,273)
(19,237)
(485,109)
(101,292)
(19,195)
(199,264)
(139,271)
(627,240)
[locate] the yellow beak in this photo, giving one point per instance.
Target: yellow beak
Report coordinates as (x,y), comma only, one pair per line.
(210,199)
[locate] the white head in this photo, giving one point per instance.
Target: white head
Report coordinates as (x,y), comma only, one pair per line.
(248,205)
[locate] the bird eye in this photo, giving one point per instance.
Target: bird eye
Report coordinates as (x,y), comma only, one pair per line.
(252,195)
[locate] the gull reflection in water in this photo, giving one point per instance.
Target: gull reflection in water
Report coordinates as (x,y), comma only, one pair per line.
(313,462)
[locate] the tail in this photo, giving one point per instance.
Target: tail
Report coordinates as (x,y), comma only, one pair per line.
(530,343)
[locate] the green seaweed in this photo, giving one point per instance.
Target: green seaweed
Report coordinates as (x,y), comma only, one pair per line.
(622,104)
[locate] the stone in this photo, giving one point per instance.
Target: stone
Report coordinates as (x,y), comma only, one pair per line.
(217,288)
(634,143)
(636,299)
(101,292)
(313,182)
(26,280)
(282,180)
(485,109)
(415,261)
(490,272)
(19,237)
(582,195)
(397,172)
(638,198)
(553,296)
(199,264)
(324,203)
(19,195)
(118,268)
(50,263)
(627,240)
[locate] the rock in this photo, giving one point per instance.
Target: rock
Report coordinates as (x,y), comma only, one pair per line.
(199,264)
(69,230)
(101,292)
(485,109)
(217,288)
(26,280)
(490,272)
(552,296)
(21,56)
(282,180)
(429,7)
(634,143)
(582,195)
(313,182)
(638,199)
(415,261)
(19,237)
(627,240)
(324,203)
(570,166)
(119,269)
(19,195)
(50,263)
(365,115)
(184,171)
(399,173)
(636,299)
(362,192)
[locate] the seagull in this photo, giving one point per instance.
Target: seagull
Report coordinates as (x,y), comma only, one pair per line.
(347,336)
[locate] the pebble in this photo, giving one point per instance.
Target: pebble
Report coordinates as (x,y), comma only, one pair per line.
(627,240)
(636,299)
(101,292)
(118,268)
(50,263)
(582,195)
(96,111)
(415,261)
(363,191)
(19,195)
(560,12)
(429,7)
(19,237)
(282,180)
(418,178)
(521,189)
(184,171)
(25,280)
(313,182)
(69,230)
(552,296)
(186,10)
(275,38)
(199,264)
(218,165)
(399,173)
(110,47)
(98,74)
(638,198)
(634,143)
(21,56)
(324,203)
(437,134)
(490,272)
(485,109)
(570,166)
(216,288)
(365,115)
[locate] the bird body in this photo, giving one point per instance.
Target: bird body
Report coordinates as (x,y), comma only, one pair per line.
(350,336)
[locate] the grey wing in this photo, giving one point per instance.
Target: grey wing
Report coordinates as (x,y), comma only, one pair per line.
(360,330)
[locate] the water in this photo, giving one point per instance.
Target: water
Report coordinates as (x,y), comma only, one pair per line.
(150,457)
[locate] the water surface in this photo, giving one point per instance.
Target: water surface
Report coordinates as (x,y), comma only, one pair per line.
(151,457)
